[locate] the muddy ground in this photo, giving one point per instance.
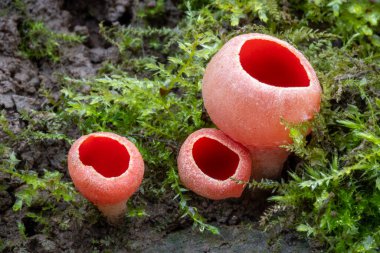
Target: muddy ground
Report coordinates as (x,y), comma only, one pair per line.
(162,230)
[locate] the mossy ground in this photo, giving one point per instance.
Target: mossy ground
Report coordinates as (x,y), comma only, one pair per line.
(150,92)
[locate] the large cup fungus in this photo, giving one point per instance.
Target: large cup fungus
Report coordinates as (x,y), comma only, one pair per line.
(107,169)
(250,85)
(207,161)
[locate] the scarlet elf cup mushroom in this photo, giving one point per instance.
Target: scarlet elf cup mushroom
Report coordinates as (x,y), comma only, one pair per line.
(207,161)
(106,169)
(250,85)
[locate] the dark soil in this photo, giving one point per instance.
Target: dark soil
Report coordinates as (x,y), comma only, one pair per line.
(163,230)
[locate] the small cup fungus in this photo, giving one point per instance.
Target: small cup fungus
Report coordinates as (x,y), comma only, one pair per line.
(106,169)
(252,83)
(208,159)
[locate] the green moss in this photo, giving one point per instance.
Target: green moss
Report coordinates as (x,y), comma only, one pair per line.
(37,40)
(353,21)
(152,10)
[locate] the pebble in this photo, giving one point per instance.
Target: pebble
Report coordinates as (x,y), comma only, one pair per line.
(6,101)
(23,103)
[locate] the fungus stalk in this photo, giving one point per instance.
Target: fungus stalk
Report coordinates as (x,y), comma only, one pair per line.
(253,83)
(267,162)
(106,169)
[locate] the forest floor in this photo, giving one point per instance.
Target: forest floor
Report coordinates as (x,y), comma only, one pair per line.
(69,68)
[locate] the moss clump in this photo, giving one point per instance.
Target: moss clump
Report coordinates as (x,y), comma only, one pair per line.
(37,40)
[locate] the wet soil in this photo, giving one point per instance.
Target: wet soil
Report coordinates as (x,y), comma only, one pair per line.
(22,82)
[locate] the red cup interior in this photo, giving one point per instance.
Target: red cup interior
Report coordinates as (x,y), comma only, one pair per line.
(273,64)
(107,156)
(215,159)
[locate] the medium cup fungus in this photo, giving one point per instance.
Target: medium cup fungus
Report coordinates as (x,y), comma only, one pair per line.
(252,83)
(106,169)
(207,161)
